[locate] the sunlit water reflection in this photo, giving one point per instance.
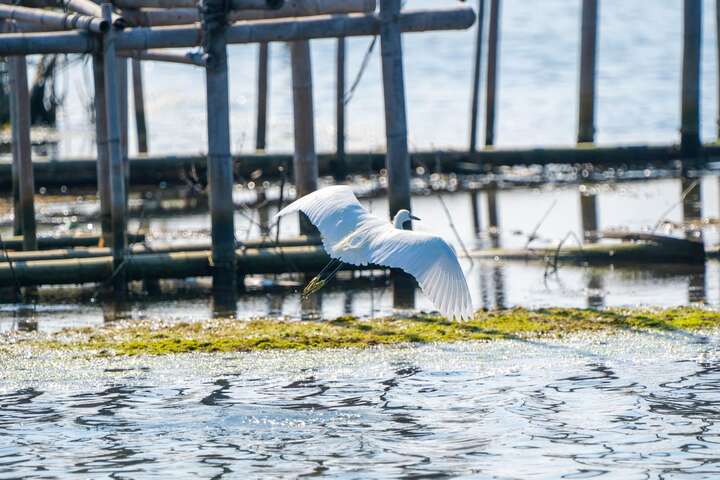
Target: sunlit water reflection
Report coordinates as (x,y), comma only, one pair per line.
(632,405)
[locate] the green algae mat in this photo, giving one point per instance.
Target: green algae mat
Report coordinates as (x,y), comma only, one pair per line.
(231,335)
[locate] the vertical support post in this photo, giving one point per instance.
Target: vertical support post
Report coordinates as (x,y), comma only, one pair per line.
(475,105)
(492,72)
(586,101)
(588,214)
(397,161)
(305,163)
(340,170)
(122,71)
(15,167)
(103,159)
(690,108)
(139,104)
(262,101)
(717,41)
(692,199)
(220,171)
(115,156)
(21,144)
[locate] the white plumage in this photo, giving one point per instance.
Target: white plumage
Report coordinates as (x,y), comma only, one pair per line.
(353,235)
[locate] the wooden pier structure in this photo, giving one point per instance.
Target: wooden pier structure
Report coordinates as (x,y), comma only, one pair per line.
(132,31)
(143,30)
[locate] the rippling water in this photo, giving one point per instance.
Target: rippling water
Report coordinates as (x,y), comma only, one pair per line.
(632,405)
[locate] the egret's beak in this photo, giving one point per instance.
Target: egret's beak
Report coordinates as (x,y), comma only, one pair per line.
(413,217)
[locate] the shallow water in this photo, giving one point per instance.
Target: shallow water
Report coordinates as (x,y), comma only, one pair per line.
(638,85)
(631,405)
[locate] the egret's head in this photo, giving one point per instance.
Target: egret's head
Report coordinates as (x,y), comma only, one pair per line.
(402,217)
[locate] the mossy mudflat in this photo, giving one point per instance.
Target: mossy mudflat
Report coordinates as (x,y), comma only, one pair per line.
(229,335)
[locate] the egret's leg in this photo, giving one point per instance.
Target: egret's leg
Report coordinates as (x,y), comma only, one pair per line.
(323,277)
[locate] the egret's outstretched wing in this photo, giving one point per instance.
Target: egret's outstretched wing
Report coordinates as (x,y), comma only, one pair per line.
(337,214)
(352,234)
(432,262)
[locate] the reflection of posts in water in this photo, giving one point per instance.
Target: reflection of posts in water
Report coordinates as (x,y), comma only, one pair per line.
(25,320)
(275,304)
(263,207)
(498,275)
(691,202)
(475,209)
(348,301)
(484,295)
(404,286)
(223,304)
(114,309)
(311,307)
(588,214)
(697,292)
(595,294)
(493,222)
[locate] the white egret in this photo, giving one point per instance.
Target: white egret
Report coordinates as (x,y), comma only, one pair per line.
(351,234)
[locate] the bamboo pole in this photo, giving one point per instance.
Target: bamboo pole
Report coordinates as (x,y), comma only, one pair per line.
(49,243)
(340,166)
(262,98)
(65,21)
(166,265)
(92,9)
(9,26)
(21,134)
(493,215)
(586,101)
(117,169)
(397,160)
(690,116)
(94,252)
(353,25)
(103,159)
(220,172)
(717,53)
(305,163)
(293,8)
(477,70)
(169,4)
(492,72)
(139,104)
(188,58)
(122,72)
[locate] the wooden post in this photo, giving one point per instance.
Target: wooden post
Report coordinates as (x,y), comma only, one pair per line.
(262,100)
(220,172)
(492,73)
(103,159)
(586,103)
(115,157)
(15,166)
(475,105)
(717,41)
(21,143)
(305,163)
(397,161)
(139,104)
(690,117)
(340,170)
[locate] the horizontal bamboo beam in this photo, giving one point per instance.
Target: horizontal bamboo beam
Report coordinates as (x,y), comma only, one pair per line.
(253,32)
(169,169)
(291,8)
(51,243)
(137,249)
(171,4)
(187,58)
(162,265)
(88,7)
(67,21)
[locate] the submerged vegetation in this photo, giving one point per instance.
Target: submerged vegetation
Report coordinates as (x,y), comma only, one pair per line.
(229,335)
